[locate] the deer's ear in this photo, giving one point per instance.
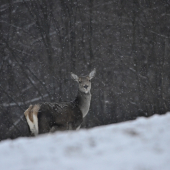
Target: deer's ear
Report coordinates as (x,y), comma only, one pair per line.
(92,74)
(74,77)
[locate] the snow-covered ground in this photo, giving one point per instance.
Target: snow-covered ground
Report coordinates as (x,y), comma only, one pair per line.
(143,144)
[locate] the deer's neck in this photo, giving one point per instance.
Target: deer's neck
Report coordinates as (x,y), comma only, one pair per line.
(83,102)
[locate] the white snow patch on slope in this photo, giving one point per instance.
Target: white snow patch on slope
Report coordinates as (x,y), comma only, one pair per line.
(143,144)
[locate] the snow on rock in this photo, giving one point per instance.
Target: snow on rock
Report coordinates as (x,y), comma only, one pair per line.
(143,144)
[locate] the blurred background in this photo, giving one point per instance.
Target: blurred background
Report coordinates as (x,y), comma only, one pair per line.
(41,42)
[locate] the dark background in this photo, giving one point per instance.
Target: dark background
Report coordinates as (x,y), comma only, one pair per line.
(42,41)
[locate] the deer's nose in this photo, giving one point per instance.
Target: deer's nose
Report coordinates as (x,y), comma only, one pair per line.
(85,86)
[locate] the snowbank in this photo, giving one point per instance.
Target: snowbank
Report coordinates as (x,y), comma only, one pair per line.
(143,144)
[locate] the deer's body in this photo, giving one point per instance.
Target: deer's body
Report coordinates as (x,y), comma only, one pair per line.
(50,117)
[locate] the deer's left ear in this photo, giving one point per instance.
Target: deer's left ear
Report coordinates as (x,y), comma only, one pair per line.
(92,74)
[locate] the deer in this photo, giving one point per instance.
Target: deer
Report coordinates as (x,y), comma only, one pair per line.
(49,117)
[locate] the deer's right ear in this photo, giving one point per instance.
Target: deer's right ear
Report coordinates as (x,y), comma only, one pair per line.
(92,74)
(74,77)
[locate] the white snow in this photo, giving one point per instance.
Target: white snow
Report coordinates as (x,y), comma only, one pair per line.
(143,144)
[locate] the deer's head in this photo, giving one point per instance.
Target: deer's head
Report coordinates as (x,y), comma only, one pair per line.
(84,81)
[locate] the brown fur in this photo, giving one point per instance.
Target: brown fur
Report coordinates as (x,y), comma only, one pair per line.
(32,110)
(28,113)
(35,109)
